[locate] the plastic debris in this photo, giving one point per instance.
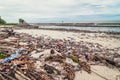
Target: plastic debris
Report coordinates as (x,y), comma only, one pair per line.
(41,58)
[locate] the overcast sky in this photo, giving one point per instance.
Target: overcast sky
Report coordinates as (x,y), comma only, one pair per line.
(12,10)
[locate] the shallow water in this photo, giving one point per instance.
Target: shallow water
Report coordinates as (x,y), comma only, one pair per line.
(106,29)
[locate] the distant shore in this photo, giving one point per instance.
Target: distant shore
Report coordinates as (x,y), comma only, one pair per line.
(95,24)
(76,30)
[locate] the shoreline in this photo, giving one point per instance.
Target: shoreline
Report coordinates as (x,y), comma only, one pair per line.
(76,30)
(78,36)
(63,29)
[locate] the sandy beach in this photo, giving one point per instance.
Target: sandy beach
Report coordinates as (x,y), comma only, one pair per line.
(60,40)
(101,38)
(99,72)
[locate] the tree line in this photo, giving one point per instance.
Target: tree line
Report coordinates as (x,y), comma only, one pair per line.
(3,22)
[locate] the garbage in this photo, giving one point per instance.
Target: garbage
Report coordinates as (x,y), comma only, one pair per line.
(68,60)
(56,58)
(38,58)
(77,68)
(50,69)
(52,51)
(6,32)
(69,69)
(68,53)
(13,56)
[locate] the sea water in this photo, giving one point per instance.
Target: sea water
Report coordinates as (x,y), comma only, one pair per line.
(105,29)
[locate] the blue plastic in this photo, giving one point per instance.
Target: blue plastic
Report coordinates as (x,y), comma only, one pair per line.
(13,56)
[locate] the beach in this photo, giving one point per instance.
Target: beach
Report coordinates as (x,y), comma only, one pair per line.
(59,54)
(100,72)
(101,38)
(60,40)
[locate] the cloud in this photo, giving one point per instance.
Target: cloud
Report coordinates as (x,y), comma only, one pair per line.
(11,10)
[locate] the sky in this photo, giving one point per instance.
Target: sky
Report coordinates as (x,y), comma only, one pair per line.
(38,10)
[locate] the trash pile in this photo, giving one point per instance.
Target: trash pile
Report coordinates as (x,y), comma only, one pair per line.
(5,33)
(23,56)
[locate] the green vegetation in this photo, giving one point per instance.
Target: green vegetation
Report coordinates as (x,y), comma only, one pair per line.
(21,21)
(11,24)
(75,59)
(2,56)
(2,21)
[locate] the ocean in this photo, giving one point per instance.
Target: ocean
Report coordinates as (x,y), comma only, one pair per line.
(104,29)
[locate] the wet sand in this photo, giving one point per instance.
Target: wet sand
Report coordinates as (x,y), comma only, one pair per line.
(99,72)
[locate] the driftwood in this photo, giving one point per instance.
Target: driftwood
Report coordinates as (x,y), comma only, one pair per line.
(2,78)
(5,33)
(106,61)
(22,75)
(7,47)
(44,76)
(100,75)
(7,43)
(70,71)
(51,70)
(86,66)
(7,76)
(56,58)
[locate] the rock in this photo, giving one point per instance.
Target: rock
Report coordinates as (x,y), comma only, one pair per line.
(52,51)
(116,60)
